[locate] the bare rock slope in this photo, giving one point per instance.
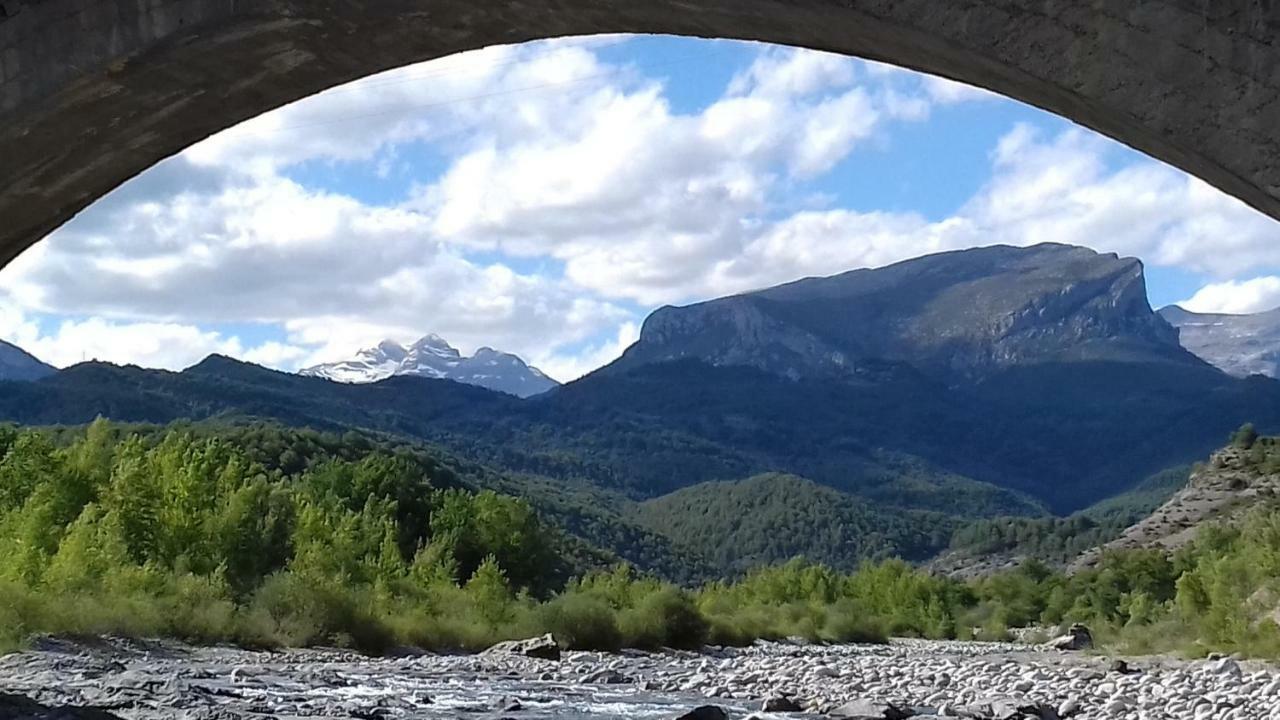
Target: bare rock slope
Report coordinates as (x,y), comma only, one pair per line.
(1235,480)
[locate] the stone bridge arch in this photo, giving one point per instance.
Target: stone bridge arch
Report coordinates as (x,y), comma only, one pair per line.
(93,92)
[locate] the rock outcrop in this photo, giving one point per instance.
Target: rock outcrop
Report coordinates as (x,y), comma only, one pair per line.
(1077,637)
(544,647)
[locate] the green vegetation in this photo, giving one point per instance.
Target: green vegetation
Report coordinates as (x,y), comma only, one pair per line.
(1262,453)
(771,518)
(1058,540)
(1060,436)
(171,534)
(264,536)
(1221,593)
(600,528)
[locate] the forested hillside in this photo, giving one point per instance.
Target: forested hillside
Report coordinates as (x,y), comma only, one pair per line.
(599,528)
(295,538)
(1065,436)
(1059,540)
(770,518)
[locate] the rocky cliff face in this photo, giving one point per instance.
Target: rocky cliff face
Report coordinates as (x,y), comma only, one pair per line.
(1241,345)
(954,315)
(18,364)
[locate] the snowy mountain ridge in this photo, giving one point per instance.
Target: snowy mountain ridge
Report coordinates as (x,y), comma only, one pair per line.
(433,357)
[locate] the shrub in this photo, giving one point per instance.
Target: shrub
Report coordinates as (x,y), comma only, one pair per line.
(581,622)
(847,622)
(666,617)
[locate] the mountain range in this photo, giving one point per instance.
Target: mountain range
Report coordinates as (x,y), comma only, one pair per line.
(924,395)
(434,357)
(1241,345)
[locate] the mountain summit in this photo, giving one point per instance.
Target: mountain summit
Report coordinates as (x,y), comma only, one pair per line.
(955,316)
(18,364)
(434,357)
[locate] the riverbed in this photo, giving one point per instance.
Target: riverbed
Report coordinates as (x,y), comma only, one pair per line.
(153,680)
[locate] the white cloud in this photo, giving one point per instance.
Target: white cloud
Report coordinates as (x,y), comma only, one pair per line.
(783,73)
(436,100)
(939,90)
(163,345)
(1244,296)
(1061,189)
(566,367)
(638,201)
(1055,189)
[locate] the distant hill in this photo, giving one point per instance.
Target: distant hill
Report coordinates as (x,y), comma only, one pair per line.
(18,364)
(1241,345)
(990,545)
(434,357)
(772,518)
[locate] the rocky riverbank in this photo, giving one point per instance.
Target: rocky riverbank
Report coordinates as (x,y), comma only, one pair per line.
(146,681)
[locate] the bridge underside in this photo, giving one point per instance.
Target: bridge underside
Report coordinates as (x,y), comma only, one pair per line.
(92,92)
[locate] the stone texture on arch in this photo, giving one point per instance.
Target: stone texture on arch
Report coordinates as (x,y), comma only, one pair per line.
(93,92)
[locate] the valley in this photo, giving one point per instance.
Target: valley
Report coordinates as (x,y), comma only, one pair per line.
(869,395)
(810,462)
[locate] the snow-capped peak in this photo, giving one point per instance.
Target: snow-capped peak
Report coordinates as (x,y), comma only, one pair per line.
(390,349)
(433,356)
(431,346)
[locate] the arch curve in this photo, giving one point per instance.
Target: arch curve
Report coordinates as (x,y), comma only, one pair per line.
(93,92)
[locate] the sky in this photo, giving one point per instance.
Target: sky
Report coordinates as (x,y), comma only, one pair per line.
(542,199)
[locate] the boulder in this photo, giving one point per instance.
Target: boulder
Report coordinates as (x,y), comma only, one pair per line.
(870,710)
(543,648)
(1004,708)
(780,703)
(705,712)
(1078,637)
(1121,667)
(1226,666)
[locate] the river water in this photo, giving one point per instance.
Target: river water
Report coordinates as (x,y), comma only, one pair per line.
(147,680)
